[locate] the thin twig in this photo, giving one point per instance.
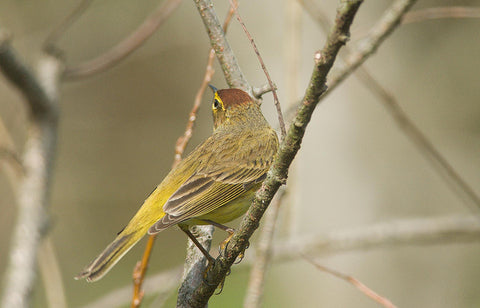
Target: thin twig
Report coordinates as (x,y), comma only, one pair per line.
(441,12)
(258,92)
(406,125)
(228,61)
(51,275)
(139,273)
(61,28)
(263,254)
(125,47)
(209,71)
(12,157)
(355,282)
(426,147)
(272,86)
(369,45)
(288,149)
(40,93)
(445,230)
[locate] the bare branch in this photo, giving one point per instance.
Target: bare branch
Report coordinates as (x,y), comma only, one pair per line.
(422,143)
(12,157)
(160,284)
(33,194)
(263,254)
(355,282)
(258,92)
(194,264)
(369,45)
(289,147)
(51,275)
(127,46)
(441,12)
(417,231)
(420,231)
(272,86)
(228,61)
(59,30)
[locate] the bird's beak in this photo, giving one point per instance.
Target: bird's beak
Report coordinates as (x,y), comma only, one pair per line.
(213,88)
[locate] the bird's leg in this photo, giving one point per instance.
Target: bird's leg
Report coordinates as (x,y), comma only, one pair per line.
(223,246)
(210,259)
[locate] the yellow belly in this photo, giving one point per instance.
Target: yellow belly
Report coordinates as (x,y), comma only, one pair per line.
(226,213)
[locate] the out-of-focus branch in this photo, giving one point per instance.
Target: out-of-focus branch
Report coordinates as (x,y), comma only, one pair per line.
(263,253)
(161,283)
(13,159)
(369,45)
(355,282)
(125,47)
(441,12)
(40,92)
(227,59)
(416,231)
(59,30)
(51,275)
(288,148)
(423,144)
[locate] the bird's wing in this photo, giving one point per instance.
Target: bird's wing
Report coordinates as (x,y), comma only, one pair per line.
(221,180)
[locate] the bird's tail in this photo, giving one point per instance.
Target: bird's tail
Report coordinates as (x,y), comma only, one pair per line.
(111,255)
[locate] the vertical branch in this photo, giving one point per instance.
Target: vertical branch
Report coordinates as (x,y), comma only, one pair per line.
(41,94)
(194,264)
(195,261)
(228,61)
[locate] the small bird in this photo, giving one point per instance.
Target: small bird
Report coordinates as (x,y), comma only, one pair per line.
(213,185)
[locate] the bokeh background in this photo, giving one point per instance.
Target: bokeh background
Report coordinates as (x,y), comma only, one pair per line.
(355,168)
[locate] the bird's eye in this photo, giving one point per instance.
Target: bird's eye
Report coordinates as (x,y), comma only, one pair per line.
(216,104)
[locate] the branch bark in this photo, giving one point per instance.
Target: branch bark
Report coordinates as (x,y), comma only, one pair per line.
(289,147)
(228,61)
(40,92)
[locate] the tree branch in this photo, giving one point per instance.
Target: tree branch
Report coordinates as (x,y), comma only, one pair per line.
(406,125)
(228,61)
(41,95)
(125,47)
(289,147)
(406,232)
(441,12)
(369,45)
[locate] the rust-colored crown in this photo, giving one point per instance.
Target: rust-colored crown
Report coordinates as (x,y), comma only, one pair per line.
(234,97)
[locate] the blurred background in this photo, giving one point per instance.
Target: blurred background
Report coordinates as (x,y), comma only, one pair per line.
(355,168)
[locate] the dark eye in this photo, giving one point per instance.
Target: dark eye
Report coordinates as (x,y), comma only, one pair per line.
(216,104)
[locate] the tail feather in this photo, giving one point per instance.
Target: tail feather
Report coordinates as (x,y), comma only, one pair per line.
(110,256)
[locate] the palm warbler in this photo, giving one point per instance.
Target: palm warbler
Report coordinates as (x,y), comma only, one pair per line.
(213,185)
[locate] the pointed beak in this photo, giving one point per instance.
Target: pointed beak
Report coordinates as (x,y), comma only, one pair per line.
(213,88)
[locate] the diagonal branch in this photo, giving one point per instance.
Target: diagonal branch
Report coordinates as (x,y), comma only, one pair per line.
(228,61)
(125,47)
(289,147)
(406,125)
